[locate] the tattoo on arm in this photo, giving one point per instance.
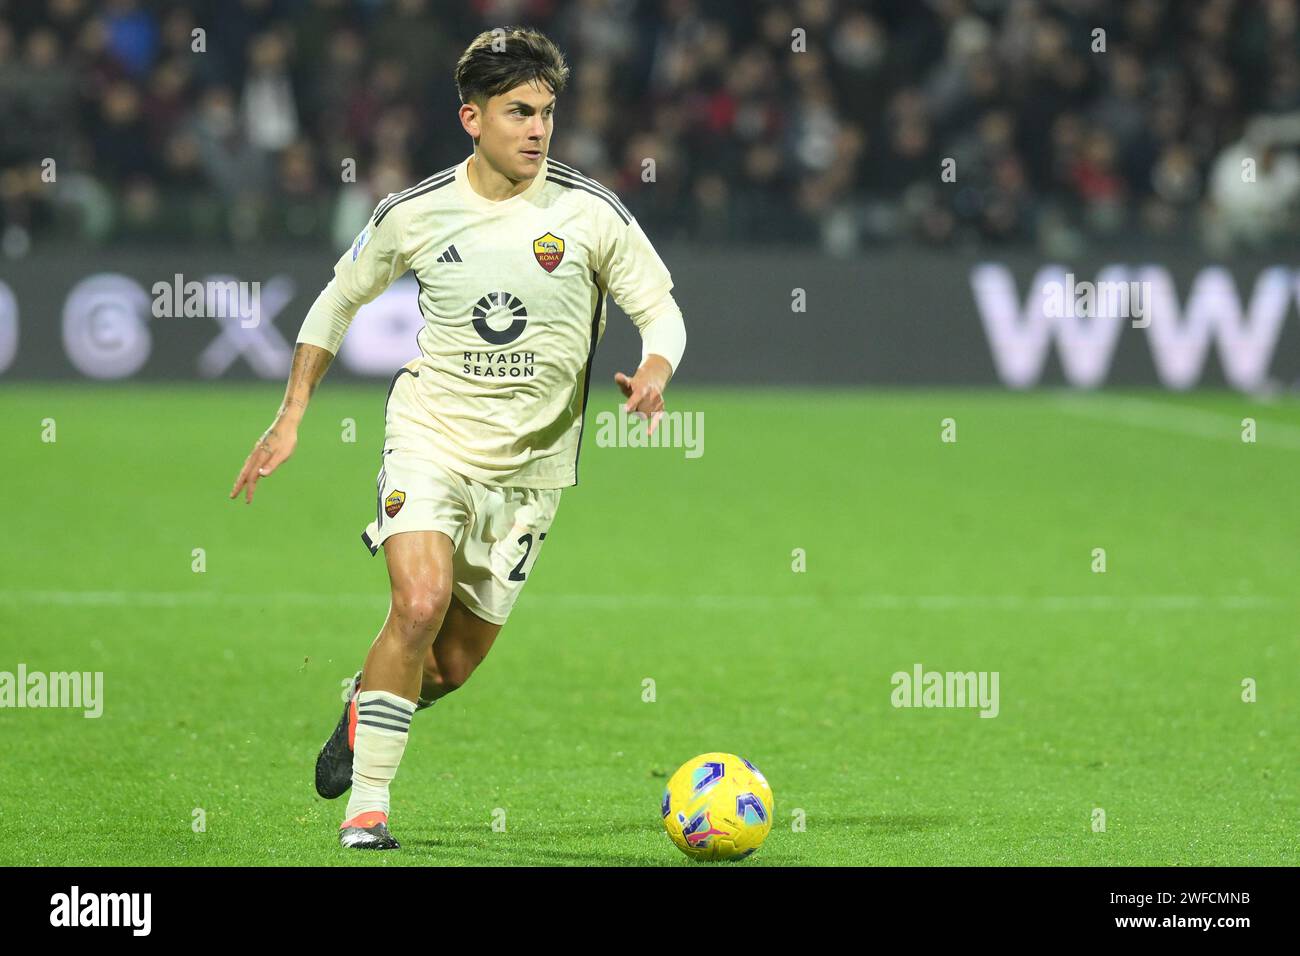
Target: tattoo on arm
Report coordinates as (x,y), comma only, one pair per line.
(310,362)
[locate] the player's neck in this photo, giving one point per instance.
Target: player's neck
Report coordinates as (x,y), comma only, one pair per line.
(490,184)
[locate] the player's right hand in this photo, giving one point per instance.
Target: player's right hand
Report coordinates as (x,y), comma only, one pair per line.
(275,445)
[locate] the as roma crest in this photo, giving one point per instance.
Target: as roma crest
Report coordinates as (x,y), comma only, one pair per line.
(549,250)
(393,503)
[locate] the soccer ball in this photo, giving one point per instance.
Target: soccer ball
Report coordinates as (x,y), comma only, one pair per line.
(718,807)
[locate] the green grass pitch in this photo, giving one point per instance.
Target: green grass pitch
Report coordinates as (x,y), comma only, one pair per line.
(1119,691)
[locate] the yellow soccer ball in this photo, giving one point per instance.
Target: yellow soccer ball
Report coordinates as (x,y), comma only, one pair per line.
(718,807)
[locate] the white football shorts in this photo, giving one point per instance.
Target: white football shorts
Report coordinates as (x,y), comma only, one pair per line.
(497,531)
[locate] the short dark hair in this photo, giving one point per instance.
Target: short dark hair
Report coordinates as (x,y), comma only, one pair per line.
(501,59)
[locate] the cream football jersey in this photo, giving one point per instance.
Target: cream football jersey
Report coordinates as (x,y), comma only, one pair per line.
(513,299)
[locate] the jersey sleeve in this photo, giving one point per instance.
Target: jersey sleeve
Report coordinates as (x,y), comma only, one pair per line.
(374,262)
(627,263)
(663,331)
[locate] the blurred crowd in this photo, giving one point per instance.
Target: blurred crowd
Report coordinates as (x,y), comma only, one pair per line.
(839,123)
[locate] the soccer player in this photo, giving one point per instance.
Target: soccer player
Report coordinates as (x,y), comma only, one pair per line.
(514,253)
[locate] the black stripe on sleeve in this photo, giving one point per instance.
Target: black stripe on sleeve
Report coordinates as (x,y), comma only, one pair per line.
(391,200)
(398,200)
(581,177)
(555,177)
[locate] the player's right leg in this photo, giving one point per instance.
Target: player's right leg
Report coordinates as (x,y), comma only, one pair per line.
(462,642)
(420,575)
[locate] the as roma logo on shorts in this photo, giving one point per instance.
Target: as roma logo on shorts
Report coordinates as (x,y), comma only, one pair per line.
(549,250)
(393,503)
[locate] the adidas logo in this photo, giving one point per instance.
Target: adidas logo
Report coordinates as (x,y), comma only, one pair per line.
(451,255)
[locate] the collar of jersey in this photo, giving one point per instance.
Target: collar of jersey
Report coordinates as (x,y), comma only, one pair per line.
(482,202)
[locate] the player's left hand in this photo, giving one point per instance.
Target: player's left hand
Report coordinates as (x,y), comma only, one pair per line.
(644,392)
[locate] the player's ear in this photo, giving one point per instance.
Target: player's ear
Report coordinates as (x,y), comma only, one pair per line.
(469,119)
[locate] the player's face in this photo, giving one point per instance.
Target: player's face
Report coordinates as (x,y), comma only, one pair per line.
(516,130)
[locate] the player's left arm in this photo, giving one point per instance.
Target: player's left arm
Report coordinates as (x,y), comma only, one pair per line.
(640,283)
(663,340)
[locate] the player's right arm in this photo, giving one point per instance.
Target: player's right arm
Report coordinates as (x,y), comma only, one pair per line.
(277,442)
(370,266)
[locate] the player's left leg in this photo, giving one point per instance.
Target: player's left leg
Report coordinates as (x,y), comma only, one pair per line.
(496,555)
(462,642)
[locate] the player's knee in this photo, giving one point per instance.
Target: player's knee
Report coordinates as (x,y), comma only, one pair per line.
(443,683)
(421,609)
(443,677)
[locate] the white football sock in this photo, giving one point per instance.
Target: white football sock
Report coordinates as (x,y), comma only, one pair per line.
(383,720)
